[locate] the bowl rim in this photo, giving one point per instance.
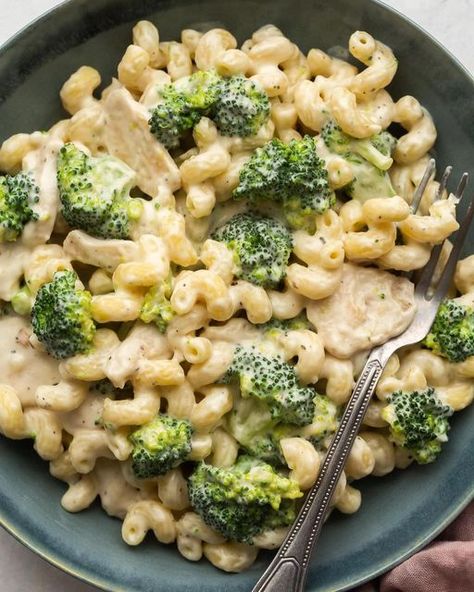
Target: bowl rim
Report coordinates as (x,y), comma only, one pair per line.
(81,572)
(46,15)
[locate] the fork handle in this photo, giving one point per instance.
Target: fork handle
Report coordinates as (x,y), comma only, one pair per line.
(288,570)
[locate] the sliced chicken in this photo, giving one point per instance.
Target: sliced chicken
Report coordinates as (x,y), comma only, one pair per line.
(369,307)
(127,136)
(41,163)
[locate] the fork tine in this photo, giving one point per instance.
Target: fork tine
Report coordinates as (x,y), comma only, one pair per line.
(443,182)
(427,272)
(422,186)
(462,185)
(450,267)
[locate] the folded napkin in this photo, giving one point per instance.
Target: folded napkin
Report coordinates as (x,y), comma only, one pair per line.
(445,565)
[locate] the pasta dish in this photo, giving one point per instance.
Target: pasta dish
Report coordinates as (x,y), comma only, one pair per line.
(195,263)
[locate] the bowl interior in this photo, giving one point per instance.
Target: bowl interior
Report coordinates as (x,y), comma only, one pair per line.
(400,512)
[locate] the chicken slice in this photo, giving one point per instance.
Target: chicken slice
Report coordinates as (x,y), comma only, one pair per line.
(127,136)
(369,307)
(41,163)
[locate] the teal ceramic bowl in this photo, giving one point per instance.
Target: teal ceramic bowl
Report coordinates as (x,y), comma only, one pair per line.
(401,512)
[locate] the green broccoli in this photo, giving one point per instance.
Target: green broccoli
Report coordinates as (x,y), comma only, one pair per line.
(375,150)
(17,194)
(183,104)
(241,107)
(94,193)
(290,174)
(156,307)
(172,118)
(251,424)
(384,142)
(61,316)
(325,421)
(369,158)
(201,89)
(263,176)
(418,422)
(160,446)
(261,247)
(368,182)
(266,447)
(259,434)
(273,382)
(236,104)
(275,326)
(244,500)
(452,333)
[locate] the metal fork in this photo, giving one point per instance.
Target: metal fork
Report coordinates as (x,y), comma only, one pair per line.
(288,571)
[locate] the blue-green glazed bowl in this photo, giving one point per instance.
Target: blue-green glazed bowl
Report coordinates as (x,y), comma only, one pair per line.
(400,513)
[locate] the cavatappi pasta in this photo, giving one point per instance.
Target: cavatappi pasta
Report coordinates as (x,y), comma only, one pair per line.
(178,312)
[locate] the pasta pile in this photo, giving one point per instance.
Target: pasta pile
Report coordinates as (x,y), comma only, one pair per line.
(83,410)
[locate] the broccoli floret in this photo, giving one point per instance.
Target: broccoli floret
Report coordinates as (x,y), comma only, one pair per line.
(263,176)
(273,382)
(201,89)
(290,174)
(156,307)
(368,182)
(252,425)
(259,434)
(236,104)
(241,107)
(307,181)
(375,150)
(298,323)
(325,421)
(61,316)
(369,158)
(284,516)
(182,107)
(452,333)
(418,422)
(183,104)
(384,142)
(17,194)
(160,446)
(94,193)
(261,247)
(170,119)
(266,447)
(244,500)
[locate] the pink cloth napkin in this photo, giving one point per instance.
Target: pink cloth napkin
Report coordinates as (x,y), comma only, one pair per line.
(445,565)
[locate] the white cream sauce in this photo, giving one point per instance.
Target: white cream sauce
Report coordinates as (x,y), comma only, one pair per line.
(21,366)
(116,495)
(13,258)
(86,416)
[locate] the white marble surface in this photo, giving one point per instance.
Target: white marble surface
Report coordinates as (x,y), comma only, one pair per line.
(450,21)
